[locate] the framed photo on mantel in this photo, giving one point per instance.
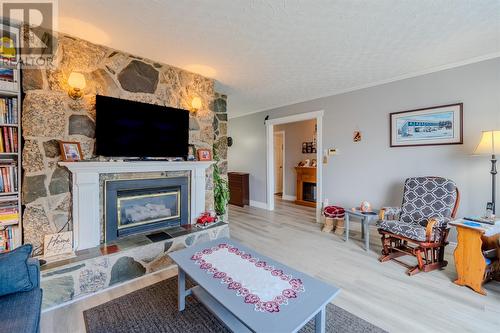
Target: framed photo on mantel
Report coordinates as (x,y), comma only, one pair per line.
(437,125)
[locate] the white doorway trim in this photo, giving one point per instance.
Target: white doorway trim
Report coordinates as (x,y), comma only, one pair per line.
(283,160)
(318,115)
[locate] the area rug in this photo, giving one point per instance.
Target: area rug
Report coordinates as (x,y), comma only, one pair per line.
(154,309)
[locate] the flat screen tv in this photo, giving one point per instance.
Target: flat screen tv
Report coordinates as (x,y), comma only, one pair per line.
(133,129)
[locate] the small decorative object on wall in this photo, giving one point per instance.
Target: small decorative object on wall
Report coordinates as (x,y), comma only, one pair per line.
(58,244)
(438,125)
(70,151)
(191,153)
(309,147)
(356,136)
(204,154)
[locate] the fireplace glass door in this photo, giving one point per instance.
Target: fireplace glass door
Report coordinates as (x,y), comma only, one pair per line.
(134,210)
(145,205)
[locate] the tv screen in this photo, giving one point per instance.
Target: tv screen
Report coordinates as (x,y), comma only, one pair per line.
(133,129)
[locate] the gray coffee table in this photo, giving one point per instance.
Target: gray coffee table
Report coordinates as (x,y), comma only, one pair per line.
(366,220)
(263,296)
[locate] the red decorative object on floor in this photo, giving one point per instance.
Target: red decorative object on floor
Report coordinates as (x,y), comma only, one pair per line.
(334,212)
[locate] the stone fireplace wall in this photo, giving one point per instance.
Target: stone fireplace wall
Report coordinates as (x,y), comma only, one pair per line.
(49,115)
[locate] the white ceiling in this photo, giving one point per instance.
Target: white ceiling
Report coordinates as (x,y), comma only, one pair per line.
(265,54)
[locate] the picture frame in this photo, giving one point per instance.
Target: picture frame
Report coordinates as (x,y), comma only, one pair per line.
(204,154)
(191,156)
(309,147)
(70,151)
(437,125)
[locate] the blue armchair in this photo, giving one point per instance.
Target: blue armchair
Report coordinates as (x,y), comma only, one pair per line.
(20,311)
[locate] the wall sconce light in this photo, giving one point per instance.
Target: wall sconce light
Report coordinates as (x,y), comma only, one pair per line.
(76,82)
(195,104)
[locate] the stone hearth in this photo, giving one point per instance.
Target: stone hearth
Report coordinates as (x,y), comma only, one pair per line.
(102,267)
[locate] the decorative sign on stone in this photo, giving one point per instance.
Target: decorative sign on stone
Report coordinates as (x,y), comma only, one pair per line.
(57,245)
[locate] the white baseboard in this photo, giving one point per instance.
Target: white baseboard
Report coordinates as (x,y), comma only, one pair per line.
(258,204)
(289,197)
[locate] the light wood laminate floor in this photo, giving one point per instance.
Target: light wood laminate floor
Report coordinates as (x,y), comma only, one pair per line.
(380,293)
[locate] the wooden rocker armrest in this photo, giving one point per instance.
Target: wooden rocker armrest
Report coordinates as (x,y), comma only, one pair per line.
(381,214)
(429,228)
(389,213)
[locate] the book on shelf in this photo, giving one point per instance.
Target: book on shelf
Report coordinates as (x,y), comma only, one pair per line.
(6,239)
(9,215)
(8,140)
(8,111)
(7,74)
(8,176)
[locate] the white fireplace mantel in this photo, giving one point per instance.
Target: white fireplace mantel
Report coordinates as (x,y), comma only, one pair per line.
(86,200)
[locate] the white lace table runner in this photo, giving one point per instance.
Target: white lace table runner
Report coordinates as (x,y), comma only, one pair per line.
(253,279)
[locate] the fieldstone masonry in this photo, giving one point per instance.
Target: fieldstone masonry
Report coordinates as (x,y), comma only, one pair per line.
(74,280)
(49,115)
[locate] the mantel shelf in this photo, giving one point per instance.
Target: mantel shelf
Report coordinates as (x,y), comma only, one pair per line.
(133,166)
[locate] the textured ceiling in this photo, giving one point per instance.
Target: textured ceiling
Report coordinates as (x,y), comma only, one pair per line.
(271,53)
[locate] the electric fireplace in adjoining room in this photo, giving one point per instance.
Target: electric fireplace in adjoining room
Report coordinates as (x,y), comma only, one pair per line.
(136,206)
(309,191)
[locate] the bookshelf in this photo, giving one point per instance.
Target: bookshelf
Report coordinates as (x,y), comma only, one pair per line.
(10,141)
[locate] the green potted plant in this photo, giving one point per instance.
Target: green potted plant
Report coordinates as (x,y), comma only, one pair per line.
(221,189)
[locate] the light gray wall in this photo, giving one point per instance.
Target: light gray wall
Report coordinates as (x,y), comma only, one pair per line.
(370,170)
(295,134)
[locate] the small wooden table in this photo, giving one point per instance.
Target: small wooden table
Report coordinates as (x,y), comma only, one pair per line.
(470,262)
(244,288)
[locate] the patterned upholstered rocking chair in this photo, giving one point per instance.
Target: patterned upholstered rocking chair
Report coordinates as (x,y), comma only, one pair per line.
(420,227)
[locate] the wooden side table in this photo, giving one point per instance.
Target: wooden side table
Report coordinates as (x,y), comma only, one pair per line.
(470,263)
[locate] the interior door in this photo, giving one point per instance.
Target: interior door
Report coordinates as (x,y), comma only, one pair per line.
(278,162)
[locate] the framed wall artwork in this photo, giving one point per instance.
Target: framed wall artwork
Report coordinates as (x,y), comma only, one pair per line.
(437,125)
(309,147)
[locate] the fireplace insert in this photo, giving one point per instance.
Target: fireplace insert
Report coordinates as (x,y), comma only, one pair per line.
(135,206)
(309,191)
